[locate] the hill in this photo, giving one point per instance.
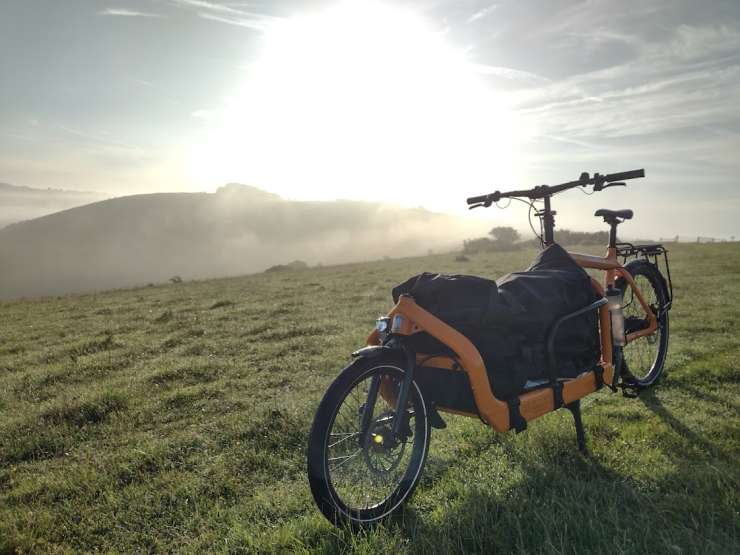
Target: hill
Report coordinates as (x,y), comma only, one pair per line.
(239,229)
(175,418)
(25,203)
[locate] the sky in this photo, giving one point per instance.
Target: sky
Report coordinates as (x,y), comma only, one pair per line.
(409,102)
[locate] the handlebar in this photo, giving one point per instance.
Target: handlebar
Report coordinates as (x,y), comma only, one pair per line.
(623,176)
(599,182)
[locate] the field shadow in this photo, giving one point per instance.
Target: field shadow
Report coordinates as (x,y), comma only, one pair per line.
(707,396)
(544,511)
(654,405)
(566,501)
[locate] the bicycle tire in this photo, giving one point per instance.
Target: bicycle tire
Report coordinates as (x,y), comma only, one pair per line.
(639,369)
(336,509)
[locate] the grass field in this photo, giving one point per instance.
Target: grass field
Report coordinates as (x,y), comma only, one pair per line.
(176,417)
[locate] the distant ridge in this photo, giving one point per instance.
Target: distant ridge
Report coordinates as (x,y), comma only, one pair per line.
(134,240)
(8,188)
(250,190)
(18,203)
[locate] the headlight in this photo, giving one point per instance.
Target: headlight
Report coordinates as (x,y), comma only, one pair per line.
(383,325)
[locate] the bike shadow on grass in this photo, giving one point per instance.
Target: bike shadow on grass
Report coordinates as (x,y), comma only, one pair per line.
(560,501)
(688,436)
(708,396)
(547,502)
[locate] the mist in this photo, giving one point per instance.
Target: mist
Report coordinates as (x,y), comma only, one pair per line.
(142,239)
(26,203)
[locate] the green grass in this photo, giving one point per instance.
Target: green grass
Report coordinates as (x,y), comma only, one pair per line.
(176,417)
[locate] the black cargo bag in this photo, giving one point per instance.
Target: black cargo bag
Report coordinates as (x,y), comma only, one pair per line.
(508,320)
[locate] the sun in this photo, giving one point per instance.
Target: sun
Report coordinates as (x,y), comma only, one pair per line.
(363,100)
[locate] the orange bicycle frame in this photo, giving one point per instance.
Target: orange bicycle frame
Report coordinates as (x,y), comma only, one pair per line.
(532,404)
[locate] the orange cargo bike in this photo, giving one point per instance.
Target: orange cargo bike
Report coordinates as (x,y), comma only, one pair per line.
(371,432)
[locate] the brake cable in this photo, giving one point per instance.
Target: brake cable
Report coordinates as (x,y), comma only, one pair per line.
(529,214)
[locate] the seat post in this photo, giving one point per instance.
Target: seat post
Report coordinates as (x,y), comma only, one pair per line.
(614,218)
(613,233)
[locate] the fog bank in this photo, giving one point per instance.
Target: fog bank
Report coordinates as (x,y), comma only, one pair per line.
(141,239)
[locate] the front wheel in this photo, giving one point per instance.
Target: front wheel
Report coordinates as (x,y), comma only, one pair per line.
(644,358)
(359,473)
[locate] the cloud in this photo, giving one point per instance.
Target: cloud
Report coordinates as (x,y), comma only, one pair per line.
(211,6)
(695,42)
(230,15)
(691,79)
(510,74)
(256,23)
(480,14)
(123,12)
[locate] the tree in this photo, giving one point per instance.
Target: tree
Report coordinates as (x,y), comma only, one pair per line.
(504,236)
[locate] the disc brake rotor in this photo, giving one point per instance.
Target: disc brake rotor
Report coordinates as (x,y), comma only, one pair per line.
(382,452)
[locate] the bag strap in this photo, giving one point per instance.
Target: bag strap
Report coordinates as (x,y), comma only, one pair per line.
(599,374)
(557,393)
(516,421)
(555,384)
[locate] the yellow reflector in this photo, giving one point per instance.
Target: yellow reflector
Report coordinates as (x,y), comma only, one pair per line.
(378,439)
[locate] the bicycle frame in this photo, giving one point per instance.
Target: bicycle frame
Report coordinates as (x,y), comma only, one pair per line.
(532,404)
(421,366)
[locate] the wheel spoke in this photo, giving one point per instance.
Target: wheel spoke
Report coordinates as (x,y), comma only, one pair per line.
(347,435)
(345,458)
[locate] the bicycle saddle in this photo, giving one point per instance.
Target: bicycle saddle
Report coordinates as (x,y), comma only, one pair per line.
(625,214)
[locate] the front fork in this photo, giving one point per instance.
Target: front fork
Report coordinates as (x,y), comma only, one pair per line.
(400,418)
(367,411)
(401,415)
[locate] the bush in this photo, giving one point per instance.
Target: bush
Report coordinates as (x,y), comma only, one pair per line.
(568,238)
(505,237)
(472,246)
(295,265)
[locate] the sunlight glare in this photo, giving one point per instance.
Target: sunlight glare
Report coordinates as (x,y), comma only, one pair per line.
(360,101)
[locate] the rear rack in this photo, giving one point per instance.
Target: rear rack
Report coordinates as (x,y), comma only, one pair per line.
(650,252)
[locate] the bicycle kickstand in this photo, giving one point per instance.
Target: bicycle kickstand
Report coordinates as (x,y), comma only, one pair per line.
(575,410)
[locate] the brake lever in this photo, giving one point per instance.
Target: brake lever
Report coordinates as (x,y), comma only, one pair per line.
(476,205)
(599,187)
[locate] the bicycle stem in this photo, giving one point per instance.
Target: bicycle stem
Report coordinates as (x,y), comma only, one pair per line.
(548,217)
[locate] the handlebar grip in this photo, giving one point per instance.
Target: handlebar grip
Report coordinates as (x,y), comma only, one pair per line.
(634,174)
(476,200)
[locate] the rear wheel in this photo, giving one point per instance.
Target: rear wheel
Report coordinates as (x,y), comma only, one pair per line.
(359,478)
(644,358)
